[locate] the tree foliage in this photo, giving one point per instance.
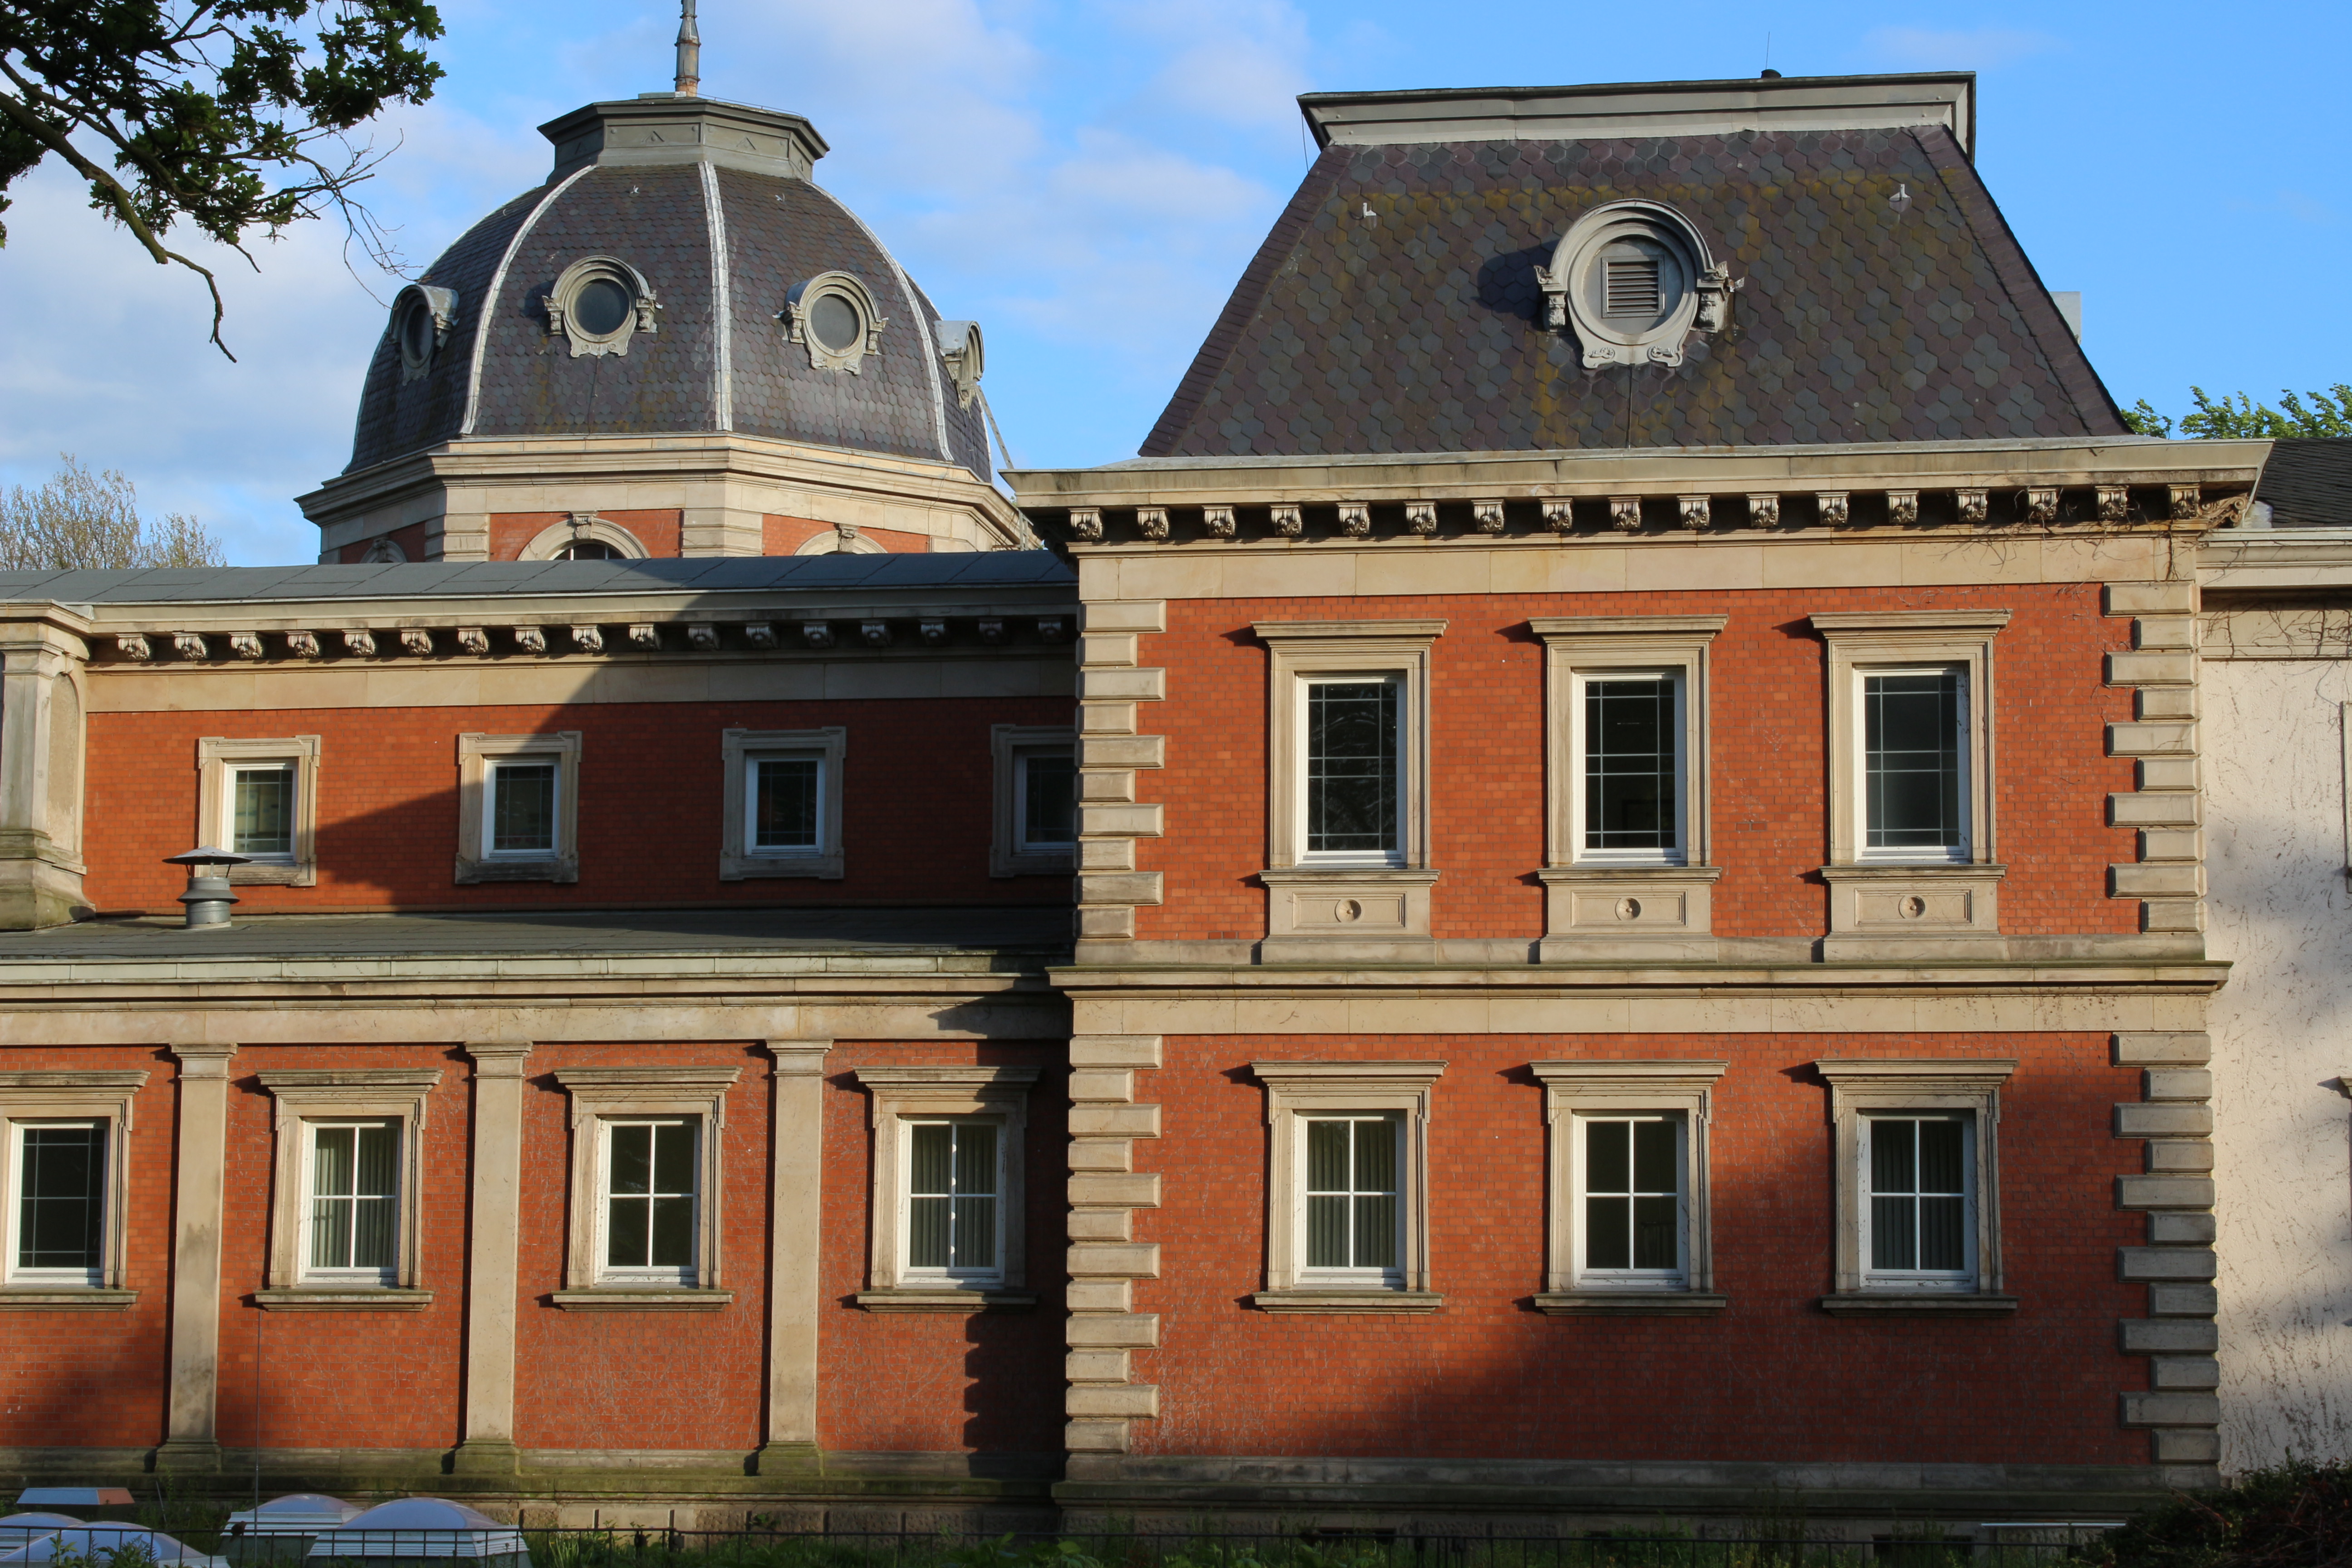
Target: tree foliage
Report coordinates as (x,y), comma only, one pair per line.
(2235,415)
(82,518)
(230,114)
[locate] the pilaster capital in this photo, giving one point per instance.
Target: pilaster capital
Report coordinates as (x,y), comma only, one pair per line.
(42,638)
(497,1058)
(208,1060)
(798,1058)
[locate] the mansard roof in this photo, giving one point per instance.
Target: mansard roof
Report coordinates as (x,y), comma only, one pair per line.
(1395,307)
(2307,482)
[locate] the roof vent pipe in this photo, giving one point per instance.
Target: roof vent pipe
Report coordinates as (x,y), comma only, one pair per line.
(208,897)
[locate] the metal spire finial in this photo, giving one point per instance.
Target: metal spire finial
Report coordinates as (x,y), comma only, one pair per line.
(689,52)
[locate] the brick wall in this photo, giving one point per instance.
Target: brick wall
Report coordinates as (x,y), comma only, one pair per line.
(658,531)
(1768,759)
(1772,1379)
(375,1380)
(785,535)
(915,820)
(97,1379)
(411,540)
(937,1383)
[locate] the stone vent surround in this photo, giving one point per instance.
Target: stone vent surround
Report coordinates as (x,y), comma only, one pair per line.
(1988,506)
(2180,1410)
(561,638)
(2160,671)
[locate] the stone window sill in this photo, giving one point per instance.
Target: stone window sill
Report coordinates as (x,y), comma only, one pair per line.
(1916,1304)
(64,1299)
(946,1298)
(1405,1302)
(1631,1304)
(345,1299)
(647,1299)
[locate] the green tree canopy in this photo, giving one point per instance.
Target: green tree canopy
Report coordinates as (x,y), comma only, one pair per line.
(2236,415)
(231,114)
(81,519)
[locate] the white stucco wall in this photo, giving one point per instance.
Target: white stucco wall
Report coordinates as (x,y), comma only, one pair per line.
(2282,1041)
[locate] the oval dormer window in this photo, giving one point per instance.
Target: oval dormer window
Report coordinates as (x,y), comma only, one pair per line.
(598,304)
(421,318)
(833,316)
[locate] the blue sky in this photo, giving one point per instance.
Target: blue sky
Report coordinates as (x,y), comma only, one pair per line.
(1087,178)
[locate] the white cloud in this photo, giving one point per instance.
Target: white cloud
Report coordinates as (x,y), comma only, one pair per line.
(1979,48)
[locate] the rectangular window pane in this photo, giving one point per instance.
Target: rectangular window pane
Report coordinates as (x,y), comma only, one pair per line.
(263,810)
(784,802)
(674,1158)
(333,1169)
(1608,1233)
(1913,773)
(632,1160)
(627,1222)
(1608,1165)
(62,1212)
(975,1231)
(1352,755)
(1657,1242)
(933,1151)
(673,1233)
(1629,763)
(1654,1157)
(1049,798)
(1894,1233)
(1327,1232)
(928,1223)
(1376,1231)
(522,813)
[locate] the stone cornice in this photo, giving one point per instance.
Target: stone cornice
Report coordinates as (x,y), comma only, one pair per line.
(2187,977)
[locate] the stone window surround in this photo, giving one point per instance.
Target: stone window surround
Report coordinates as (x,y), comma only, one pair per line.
(218,757)
(1296,1089)
(1007,744)
(1309,904)
(1861,1085)
(562,297)
(584,526)
(738,750)
(1610,909)
(893,1095)
(78,1094)
(801,300)
(1575,1089)
(476,752)
(1883,906)
(601,1094)
(344,1094)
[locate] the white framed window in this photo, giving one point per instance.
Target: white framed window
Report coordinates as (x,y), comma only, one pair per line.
(1916,1229)
(64,1181)
(1914,756)
(1918,1175)
(1348,786)
(1036,800)
(647,1165)
(519,802)
(1349,1190)
(259,798)
(1347,1201)
(1910,735)
(649,1200)
(949,1231)
(1626,845)
(1629,1229)
(783,803)
(345,1201)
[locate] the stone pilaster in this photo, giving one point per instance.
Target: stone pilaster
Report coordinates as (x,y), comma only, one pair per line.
(41,708)
(2175,1115)
(492,1265)
(1105,1260)
(190,1439)
(795,1207)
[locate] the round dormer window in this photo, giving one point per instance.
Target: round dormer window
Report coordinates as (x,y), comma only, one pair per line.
(603,307)
(421,317)
(834,321)
(598,304)
(833,316)
(1634,279)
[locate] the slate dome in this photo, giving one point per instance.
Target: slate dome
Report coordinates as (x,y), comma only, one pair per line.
(678,272)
